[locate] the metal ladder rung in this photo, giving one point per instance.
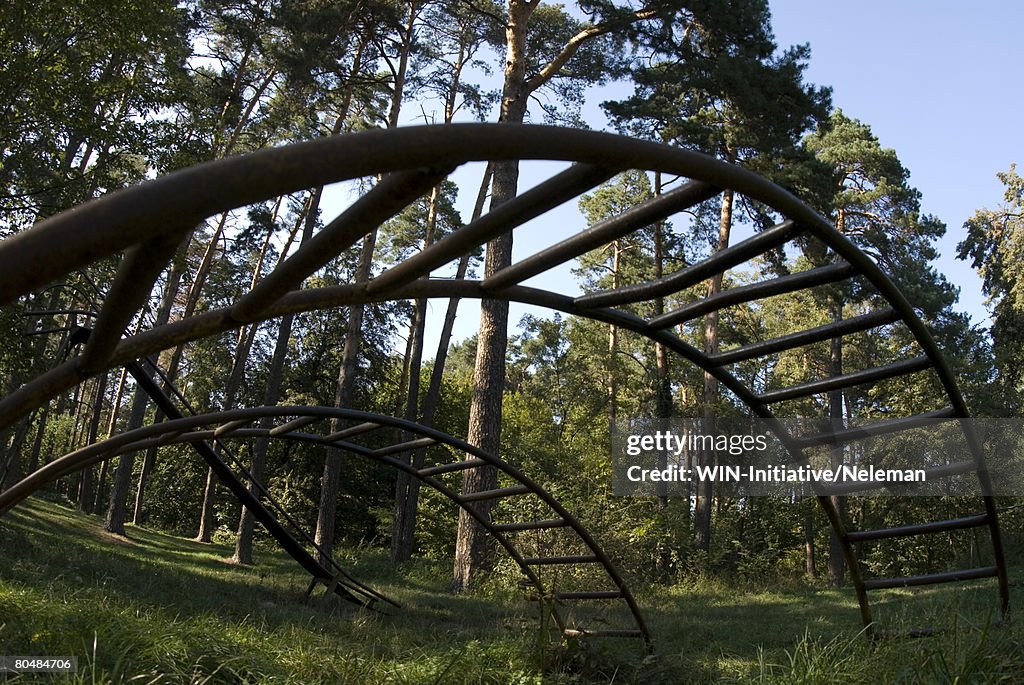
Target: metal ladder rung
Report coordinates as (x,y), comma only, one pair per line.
(544,561)
(555,191)
(293,425)
(454,466)
(352,431)
(811,335)
(907,366)
(930,474)
(932,578)
(947,470)
(404,446)
(230,427)
(720,262)
(495,494)
(872,429)
(580,632)
(648,212)
(755,291)
(918,529)
(531,525)
(168,438)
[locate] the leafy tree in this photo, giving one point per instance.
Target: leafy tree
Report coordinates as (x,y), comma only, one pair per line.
(874,205)
(994,243)
(720,88)
(529,67)
(82,83)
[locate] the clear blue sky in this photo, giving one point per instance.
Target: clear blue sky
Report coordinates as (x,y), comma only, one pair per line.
(939,82)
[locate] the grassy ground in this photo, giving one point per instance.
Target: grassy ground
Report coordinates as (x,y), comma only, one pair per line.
(155,608)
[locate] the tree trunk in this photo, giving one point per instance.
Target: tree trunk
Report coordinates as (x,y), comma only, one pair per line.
(345,388)
(663,387)
(343,394)
(272,392)
(243,347)
(271,396)
(404,507)
(433,395)
(37,444)
(836,559)
(207,522)
(125,466)
(101,481)
(702,512)
(484,431)
(810,562)
(88,491)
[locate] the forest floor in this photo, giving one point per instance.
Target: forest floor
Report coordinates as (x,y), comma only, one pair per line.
(154,608)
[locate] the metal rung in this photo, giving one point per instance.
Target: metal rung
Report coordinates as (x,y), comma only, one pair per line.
(454,466)
(495,494)
(168,438)
(755,291)
(352,431)
(230,427)
(811,335)
(930,474)
(555,191)
(947,470)
(544,561)
(579,632)
(646,213)
(404,446)
(931,578)
(531,525)
(598,594)
(293,425)
(872,429)
(918,529)
(717,263)
(900,368)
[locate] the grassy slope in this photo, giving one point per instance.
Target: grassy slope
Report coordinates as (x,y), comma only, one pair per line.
(171,610)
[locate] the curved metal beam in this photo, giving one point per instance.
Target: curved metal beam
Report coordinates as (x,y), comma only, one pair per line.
(231,424)
(158,212)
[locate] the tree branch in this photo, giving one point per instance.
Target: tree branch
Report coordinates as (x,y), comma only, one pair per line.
(549,70)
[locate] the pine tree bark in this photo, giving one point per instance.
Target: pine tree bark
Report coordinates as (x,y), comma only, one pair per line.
(836,558)
(810,560)
(407,500)
(125,465)
(702,510)
(271,396)
(87,493)
(663,387)
(484,431)
(345,388)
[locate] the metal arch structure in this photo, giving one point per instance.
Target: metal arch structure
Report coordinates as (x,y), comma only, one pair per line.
(147,222)
(449,456)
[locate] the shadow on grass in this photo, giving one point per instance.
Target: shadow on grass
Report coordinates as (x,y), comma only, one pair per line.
(48,546)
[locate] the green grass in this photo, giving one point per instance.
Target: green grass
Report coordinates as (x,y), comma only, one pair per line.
(154,608)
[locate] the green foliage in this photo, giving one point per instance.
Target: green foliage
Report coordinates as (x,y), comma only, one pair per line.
(82,84)
(994,245)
